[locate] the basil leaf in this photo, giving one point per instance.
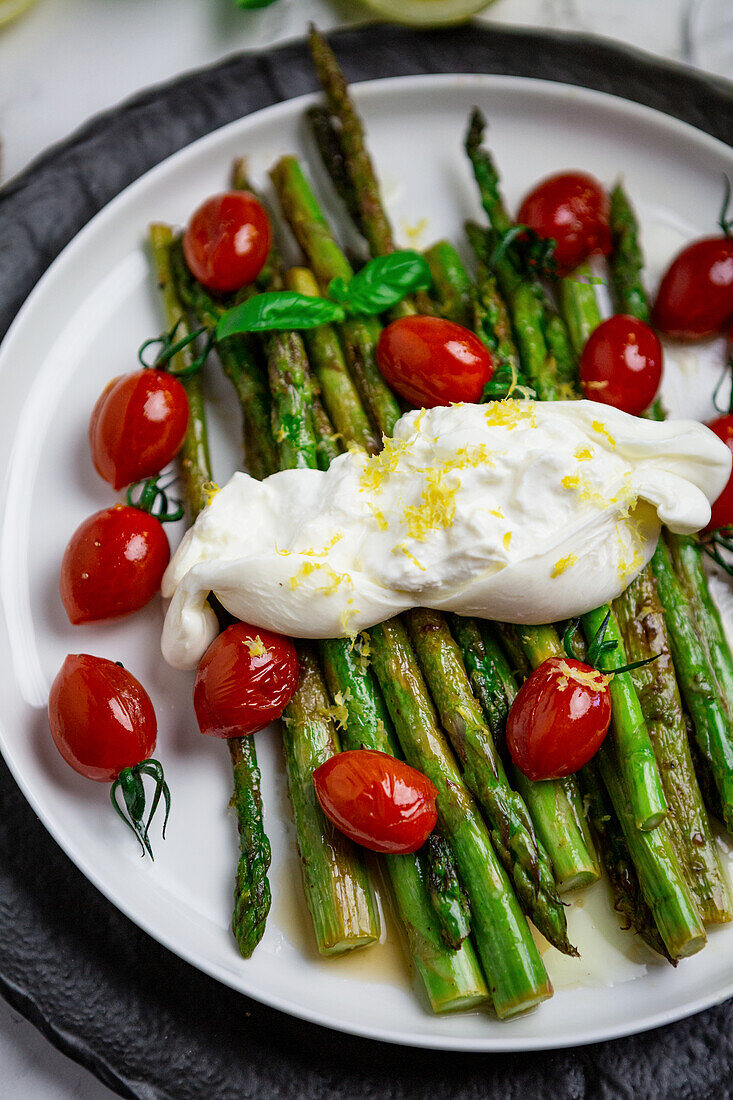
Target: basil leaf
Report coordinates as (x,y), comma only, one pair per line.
(382,283)
(278,310)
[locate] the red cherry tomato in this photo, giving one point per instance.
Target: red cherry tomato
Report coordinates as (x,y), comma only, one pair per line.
(695,297)
(227,241)
(559,719)
(377,801)
(113,564)
(621,364)
(101,718)
(722,510)
(572,208)
(137,426)
(244,681)
(430,362)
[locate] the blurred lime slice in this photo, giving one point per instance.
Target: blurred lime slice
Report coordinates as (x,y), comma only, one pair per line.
(10,8)
(428,13)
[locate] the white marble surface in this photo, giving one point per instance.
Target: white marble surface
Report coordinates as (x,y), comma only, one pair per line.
(65,60)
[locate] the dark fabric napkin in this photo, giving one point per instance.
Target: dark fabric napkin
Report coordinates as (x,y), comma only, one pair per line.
(147,1024)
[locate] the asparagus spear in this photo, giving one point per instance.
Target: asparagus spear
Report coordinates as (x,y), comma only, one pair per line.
(446,893)
(359,334)
(452,978)
(628,899)
(510,827)
(335,877)
(252,896)
(627,261)
(662,881)
(510,959)
(365,196)
(239,363)
(641,618)
(332,154)
(451,283)
(326,357)
(696,680)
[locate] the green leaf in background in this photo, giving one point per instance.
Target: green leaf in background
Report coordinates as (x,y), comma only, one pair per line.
(382,283)
(278,310)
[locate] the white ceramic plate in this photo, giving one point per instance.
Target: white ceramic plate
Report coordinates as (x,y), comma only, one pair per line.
(80,327)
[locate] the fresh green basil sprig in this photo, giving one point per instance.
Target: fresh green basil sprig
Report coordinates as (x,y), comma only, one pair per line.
(378,286)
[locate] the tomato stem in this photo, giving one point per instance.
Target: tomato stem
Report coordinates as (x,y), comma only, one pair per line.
(152,496)
(130,782)
(169,347)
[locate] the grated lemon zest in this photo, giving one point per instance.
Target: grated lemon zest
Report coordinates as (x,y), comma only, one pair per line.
(209,489)
(256,647)
(507,539)
(593,678)
(509,414)
(438,509)
(563,564)
(329,546)
(380,518)
(401,548)
(601,428)
(376,466)
(583,454)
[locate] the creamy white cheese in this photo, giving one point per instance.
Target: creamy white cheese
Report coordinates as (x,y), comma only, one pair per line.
(515,511)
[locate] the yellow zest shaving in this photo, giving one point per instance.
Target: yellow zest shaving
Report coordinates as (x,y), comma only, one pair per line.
(402,549)
(305,570)
(380,518)
(438,509)
(282,553)
(590,495)
(329,546)
(209,489)
(592,679)
(583,454)
(472,457)
(339,712)
(563,564)
(376,466)
(509,414)
(346,616)
(496,512)
(507,539)
(601,428)
(256,647)
(414,233)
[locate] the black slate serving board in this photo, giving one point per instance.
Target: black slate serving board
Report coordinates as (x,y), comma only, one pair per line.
(146,1023)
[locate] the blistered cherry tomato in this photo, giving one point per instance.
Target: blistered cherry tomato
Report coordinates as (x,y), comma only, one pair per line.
(695,296)
(227,241)
(113,564)
(101,717)
(559,719)
(137,426)
(621,364)
(244,681)
(722,510)
(377,801)
(430,362)
(572,208)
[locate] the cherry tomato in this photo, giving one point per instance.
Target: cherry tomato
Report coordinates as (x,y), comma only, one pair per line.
(227,241)
(430,362)
(137,426)
(244,681)
(377,801)
(101,717)
(695,296)
(572,208)
(559,719)
(722,510)
(113,564)
(621,364)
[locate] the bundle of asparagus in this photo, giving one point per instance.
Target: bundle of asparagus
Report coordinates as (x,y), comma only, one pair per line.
(506,847)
